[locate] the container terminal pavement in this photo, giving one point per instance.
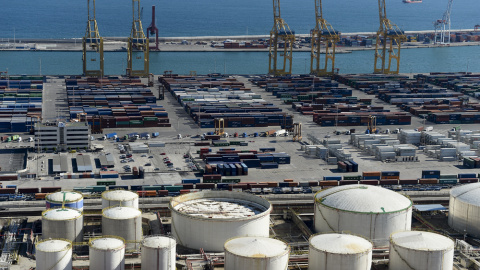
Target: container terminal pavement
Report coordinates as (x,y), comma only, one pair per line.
(237,230)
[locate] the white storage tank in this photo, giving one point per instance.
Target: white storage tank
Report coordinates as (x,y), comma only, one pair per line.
(107,253)
(158,252)
(339,252)
(369,211)
(420,251)
(70,199)
(207,219)
(125,222)
(63,223)
(53,254)
(123,198)
(256,253)
(464,209)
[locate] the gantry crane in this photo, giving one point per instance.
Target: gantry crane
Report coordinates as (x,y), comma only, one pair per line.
(444,26)
(297,132)
(391,33)
(323,32)
(93,41)
(281,35)
(138,42)
(219,126)
(152,29)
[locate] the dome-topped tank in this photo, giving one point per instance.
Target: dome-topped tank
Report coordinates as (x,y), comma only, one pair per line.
(123,198)
(54,254)
(125,222)
(464,209)
(369,211)
(256,253)
(70,199)
(420,251)
(159,252)
(63,223)
(107,253)
(339,252)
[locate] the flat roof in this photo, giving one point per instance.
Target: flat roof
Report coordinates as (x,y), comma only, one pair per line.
(59,164)
(84,163)
(106,160)
(429,207)
(12,160)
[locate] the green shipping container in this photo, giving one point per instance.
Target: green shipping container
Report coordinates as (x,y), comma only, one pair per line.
(448,181)
(230,180)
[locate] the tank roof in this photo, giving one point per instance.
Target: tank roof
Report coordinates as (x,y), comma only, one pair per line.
(158,242)
(70,196)
(340,243)
(61,214)
(422,240)
(220,208)
(53,245)
(469,193)
(119,195)
(256,247)
(363,199)
(107,243)
(121,212)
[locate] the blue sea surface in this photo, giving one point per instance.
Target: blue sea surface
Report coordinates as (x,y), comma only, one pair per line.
(446,59)
(67,19)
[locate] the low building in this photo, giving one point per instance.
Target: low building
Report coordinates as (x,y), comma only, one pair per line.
(62,136)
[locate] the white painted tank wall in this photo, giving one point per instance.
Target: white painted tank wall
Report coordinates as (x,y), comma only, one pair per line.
(420,251)
(339,252)
(464,209)
(54,254)
(107,253)
(125,222)
(211,234)
(357,217)
(159,253)
(63,223)
(123,198)
(256,253)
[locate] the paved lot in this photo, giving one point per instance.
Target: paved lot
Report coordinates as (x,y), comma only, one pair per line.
(302,167)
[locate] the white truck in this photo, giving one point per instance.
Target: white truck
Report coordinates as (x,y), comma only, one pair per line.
(281,132)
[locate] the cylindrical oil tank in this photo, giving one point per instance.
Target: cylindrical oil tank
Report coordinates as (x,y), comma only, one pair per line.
(125,222)
(207,219)
(123,198)
(158,252)
(464,209)
(256,253)
(335,251)
(70,199)
(369,211)
(54,254)
(107,252)
(65,223)
(420,251)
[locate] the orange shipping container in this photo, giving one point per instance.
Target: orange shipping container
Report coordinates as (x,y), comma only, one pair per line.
(328,183)
(390,177)
(428,181)
(288,180)
(372,173)
(40,196)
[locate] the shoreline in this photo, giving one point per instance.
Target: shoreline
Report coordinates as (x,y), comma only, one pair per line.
(204,43)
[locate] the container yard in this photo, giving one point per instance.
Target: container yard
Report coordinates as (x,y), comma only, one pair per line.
(254,169)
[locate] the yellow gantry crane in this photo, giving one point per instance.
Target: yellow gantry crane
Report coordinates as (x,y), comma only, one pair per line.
(323,32)
(219,126)
(387,33)
(93,41)
(137,41)
(281,35)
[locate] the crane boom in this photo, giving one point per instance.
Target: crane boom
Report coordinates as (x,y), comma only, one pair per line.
(325,33)
(389,37)
(92,41)
(137,41)
(280,35)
